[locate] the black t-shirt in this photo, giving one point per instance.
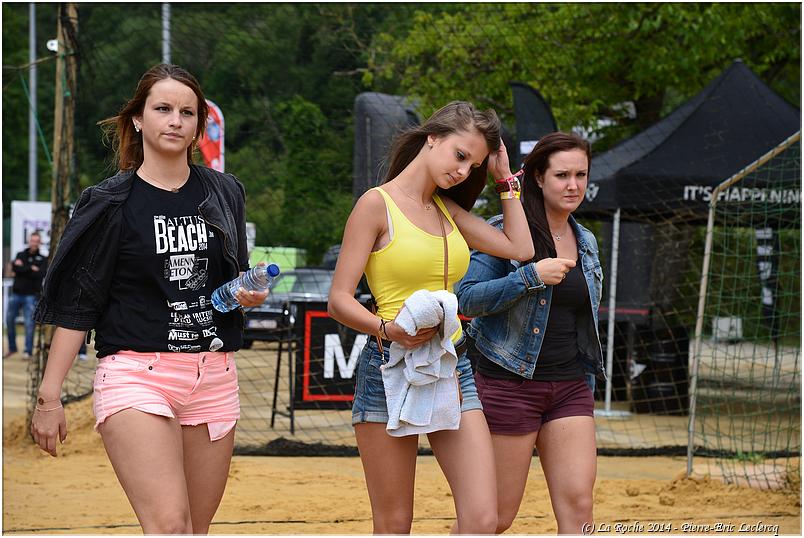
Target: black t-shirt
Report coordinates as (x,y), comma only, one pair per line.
(169,262)
(558,357)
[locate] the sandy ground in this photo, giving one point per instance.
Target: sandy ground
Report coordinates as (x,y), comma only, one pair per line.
(77,493)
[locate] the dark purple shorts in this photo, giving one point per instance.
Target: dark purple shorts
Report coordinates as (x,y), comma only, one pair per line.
(520,406)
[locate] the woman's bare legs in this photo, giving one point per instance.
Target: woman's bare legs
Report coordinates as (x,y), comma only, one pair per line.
(206,469)
(147,455)
(389,465)
(174,476)
(467,458)
(568,455)
(513,455)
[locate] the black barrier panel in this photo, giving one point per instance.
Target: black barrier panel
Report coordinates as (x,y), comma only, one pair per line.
(326,359)
(378,119)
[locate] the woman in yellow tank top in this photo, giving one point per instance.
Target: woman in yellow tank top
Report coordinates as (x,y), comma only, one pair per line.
(394,235)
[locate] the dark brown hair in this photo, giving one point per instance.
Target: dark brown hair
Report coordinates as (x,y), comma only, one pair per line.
(536,164)
(451,118)
(119,130)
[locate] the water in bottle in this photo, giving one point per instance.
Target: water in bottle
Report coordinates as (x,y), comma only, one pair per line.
(259,278)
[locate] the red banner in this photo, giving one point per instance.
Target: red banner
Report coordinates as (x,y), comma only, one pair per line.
(211,144)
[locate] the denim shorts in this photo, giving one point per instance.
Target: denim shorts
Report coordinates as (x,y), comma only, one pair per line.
(369,403)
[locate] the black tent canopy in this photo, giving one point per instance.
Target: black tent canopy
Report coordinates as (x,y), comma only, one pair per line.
(669,170)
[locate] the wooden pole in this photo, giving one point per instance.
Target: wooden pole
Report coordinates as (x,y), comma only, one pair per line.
(64,184)
(64,177)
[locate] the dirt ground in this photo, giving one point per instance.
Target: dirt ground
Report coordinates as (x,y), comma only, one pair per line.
(77,493)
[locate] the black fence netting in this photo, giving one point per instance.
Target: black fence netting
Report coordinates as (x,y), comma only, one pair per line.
(311,96)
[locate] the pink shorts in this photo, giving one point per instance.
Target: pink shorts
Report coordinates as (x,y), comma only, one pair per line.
(196,388)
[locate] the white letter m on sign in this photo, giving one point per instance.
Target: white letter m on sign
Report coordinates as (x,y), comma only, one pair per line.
(333,351)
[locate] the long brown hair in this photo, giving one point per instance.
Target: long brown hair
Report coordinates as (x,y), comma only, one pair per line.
(119,130)
(536,164)
(451,118)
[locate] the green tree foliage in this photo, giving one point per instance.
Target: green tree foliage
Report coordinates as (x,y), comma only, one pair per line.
(587,59)
(286,75)
(16,104)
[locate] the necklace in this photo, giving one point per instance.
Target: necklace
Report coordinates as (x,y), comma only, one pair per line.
(427,207)
(558,237)
(167,187)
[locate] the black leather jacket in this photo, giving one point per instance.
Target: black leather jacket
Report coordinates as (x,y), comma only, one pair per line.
(76,287)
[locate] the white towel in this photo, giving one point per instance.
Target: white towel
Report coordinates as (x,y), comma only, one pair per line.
(420,386)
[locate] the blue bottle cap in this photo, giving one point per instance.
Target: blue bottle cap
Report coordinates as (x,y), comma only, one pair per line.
(272,269)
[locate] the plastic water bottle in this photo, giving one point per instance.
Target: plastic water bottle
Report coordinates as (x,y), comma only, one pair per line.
(259,278)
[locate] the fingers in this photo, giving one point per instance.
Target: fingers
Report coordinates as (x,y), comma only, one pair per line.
(418,339)
(249,298)
(44,441)
(553,271)
(45,430)
(51,445)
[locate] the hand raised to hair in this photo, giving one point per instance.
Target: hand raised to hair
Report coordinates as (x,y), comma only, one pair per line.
(499,166)
(397,334)
(553,270)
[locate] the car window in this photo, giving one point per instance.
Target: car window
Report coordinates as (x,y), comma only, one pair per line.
(317,283)
(292,282)
(283,283)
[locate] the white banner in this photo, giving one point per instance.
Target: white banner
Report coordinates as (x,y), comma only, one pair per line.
(26,218)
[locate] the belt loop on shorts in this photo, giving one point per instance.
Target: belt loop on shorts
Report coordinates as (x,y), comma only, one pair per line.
(226,359)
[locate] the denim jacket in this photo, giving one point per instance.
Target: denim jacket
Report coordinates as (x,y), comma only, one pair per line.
(510,305)
(76,287)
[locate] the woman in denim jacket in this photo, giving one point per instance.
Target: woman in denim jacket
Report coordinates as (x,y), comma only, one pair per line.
(535,328)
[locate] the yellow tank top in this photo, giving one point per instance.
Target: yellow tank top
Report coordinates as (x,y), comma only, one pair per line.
(413,260)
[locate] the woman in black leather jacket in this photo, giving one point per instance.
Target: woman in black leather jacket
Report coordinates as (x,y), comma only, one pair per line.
(138,262)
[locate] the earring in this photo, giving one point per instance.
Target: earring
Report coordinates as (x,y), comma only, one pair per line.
(137,128)
(430,146)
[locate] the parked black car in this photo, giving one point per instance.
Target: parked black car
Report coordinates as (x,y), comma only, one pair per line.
(272,320)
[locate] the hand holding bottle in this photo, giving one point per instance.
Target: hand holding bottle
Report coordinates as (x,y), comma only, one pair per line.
(250,298)
(248,290)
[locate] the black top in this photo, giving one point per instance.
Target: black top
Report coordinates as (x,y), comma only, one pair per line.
(169,262)
(558,357)
(28,276)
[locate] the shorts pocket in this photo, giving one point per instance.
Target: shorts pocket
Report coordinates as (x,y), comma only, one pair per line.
(504,384)
(125,364)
